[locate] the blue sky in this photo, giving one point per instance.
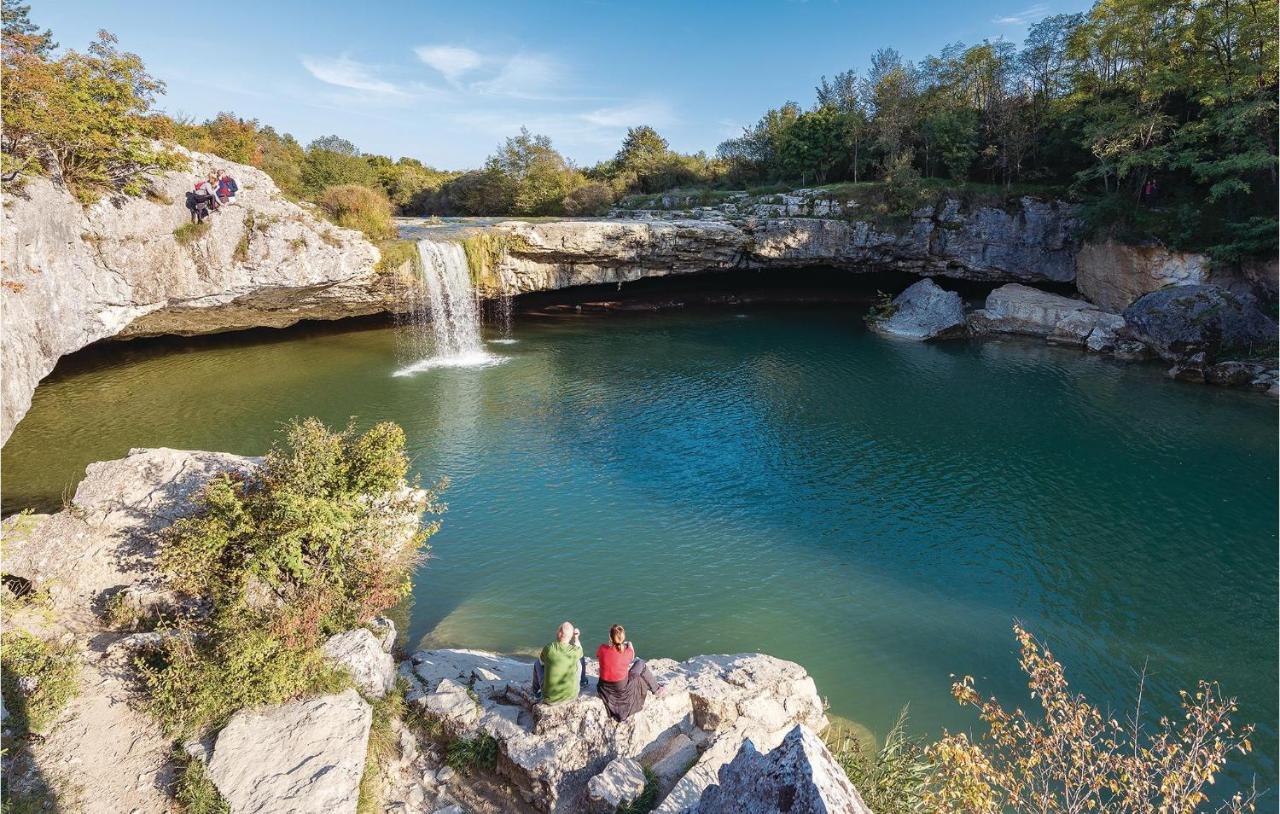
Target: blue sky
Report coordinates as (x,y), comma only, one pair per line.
(447,81)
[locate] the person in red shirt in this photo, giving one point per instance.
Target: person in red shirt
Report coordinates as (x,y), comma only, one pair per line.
(625,681)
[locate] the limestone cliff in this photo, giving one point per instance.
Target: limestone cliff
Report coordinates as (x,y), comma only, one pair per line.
(73,275)
(1035,243)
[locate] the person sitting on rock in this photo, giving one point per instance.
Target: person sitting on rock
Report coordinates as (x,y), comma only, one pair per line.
(559,672)
(206,196)
(227,188)
(625,681)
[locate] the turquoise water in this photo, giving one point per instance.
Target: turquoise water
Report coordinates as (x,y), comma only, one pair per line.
(779,481)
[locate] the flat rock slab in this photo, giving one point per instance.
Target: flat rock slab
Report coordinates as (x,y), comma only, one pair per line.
(297,758)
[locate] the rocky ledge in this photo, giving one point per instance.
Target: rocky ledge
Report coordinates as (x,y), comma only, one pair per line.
(1034,243)
(733,721)
(73,275)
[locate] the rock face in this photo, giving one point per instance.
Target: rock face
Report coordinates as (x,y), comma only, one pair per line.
(923,311)
(550,754)
(1201,321)
(621,782)
(799,776)
(360,652)
(1035,243)
(300,757)
(1112,274)
(1019,309)
(73,275)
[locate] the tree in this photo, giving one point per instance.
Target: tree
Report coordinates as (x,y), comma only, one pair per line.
(81,117)
(1073,758)
(332,161)
(539,176)
(892,86)
(18,27)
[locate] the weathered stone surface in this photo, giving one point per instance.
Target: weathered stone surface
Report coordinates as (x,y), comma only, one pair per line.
(550,753)
(74,275)
(360,652)
(1112,274)
(923,311)
(621,782)
(1035,243)
(303,756)
(1019,309)
(799,776)
(1183,321)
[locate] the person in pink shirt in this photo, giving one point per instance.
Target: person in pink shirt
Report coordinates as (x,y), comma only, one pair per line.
(625,681)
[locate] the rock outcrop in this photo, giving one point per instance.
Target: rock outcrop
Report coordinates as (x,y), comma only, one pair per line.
(1112,274)
(922,312)
(367,659)
(1202,321)
(299,757)
(73,275)
(549,754)
(1019,309)
(799,776)
(1034,243)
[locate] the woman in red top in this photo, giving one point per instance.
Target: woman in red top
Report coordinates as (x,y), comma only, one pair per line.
(625,681)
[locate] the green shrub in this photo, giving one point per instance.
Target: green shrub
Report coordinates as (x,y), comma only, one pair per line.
(395,253)
(309,544)
(479,752)
(37,677)
(353,206)
(484,251)
(194,789)
(191,232)
(589,199)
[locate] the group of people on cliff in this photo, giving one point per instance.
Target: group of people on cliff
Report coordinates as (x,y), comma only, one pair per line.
(626,682)
(215,190)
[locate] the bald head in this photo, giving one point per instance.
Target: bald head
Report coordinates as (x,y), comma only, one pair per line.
(565,632)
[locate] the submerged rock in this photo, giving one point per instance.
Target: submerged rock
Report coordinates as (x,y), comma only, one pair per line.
(551,753)
(799,776)
(923,311)
(1180,322)
(298,757)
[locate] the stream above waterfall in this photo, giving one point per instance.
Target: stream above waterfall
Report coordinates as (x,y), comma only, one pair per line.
(770,479)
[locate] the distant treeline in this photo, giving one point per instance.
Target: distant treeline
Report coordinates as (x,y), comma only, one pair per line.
(1159,115)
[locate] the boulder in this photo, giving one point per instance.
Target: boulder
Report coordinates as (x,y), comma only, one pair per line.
(360,652)
(1112,274)
(621,782)
(303,756)
(1020,309)
(551,753)
(799,776)
(74,275)
(1180,322)
(922,312)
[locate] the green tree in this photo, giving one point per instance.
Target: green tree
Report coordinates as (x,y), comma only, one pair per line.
(332,161)
(540,177)
(17,25)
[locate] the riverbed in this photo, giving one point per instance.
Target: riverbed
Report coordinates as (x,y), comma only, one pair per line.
(774,480)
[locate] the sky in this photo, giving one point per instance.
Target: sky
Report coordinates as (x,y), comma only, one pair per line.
(446,82)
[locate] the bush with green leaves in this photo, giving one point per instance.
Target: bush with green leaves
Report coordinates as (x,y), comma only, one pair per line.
(891,779)
(37,677)
(359,207)
(319,539)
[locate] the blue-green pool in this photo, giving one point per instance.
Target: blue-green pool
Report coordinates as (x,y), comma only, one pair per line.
(776,480)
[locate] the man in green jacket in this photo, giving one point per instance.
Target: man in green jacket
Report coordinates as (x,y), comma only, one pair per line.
(558,672)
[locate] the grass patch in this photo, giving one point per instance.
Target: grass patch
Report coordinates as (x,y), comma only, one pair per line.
(648,799)
(484,251)
(298,243)
(353,206)
(384,744)
(241,253)
(469,754)
(37,678)
(395,253)
(193,789)
(191,232)
(891,779)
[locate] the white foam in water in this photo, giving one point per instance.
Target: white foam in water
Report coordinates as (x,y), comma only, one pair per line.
(451,309)
(503,341)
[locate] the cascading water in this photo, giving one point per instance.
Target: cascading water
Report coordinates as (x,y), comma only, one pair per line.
(446,321)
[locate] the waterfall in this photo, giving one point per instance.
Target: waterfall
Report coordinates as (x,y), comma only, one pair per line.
(445,329)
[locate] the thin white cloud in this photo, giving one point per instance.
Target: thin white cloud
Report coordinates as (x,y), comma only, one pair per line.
(653,113)
(344,72)
(1024,17)
(450,60)
(525,76)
